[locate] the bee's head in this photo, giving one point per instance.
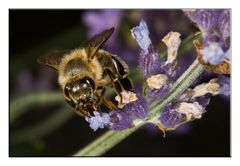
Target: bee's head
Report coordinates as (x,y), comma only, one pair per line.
(80,93)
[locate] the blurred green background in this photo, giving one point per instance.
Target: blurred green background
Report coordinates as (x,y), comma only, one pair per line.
(42,124)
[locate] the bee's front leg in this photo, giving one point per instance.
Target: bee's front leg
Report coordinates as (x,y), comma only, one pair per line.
(101,98)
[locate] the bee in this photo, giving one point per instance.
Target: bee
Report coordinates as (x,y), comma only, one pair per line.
(85,72)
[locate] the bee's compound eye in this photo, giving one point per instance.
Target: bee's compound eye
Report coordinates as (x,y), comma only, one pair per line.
(75,89)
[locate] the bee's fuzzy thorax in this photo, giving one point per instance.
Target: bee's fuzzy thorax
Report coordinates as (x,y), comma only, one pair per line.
(92,68)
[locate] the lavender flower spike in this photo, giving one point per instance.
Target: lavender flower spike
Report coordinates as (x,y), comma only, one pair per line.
(141,35)
(98,120)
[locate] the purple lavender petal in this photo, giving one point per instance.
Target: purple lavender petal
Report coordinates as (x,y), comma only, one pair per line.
(155,94)
(98,121)
(227,55)
(137,108)
(170,70)
(213,53)
(206,19)
(170,117)
(203,100)
(224,23)
(141,35)
(120,120)
(214,25)
(149,63)
(224,83)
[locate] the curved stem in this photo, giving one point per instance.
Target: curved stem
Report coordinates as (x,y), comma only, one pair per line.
(105,142)
(112,138)
(42,128)
(22,104)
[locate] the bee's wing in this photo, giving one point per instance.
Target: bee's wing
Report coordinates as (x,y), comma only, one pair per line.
(93,44)
(53,58)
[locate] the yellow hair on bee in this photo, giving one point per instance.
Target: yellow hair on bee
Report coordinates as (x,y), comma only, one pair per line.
(85,67)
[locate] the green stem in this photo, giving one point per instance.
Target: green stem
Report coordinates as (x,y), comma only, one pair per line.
(42,128)
(112,138)
(105,142)
(22,104)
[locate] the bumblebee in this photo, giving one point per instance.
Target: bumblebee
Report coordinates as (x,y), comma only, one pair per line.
(84,74)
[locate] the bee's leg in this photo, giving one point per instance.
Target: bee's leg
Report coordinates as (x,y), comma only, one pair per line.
(101,98)
(122,74)
(98,93)
(115,81)
(108,103)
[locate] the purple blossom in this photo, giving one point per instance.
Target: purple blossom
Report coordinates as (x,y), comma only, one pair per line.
(203,100)
(149,61)
(224,83)
(137,109)
(206,19)
(212,21)
(99,120)
(155,94)
(123,118)
(170,117)
(170,69)
(141,35)
(120,120)
(214,54)
(215,27)
(224,23)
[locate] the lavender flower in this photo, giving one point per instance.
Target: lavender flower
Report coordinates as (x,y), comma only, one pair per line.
(158,85)
(141,34)
(215,27)
(211,21)
(120,120)
(203,100)
(224,83)
(214,54)
(99,120)
(149,61)
(191,110)
(137,109)
(124,117)
(170,117)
